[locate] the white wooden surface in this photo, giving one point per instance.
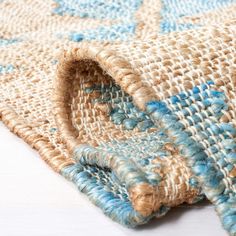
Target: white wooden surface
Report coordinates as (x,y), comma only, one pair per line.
(35,201)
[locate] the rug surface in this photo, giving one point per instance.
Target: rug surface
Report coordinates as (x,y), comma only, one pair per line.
(132,100)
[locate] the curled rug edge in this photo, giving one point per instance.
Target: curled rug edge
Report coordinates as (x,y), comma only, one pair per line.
(145,199)
(212,94)
(197,125)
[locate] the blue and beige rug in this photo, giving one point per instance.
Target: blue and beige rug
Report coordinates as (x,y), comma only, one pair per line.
(132,100)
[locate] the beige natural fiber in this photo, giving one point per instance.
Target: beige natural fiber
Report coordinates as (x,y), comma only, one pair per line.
(140,117)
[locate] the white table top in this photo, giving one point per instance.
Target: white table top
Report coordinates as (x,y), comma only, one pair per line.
(35,201)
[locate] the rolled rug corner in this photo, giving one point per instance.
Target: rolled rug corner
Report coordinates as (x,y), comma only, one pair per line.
(157,117)
(121,155)
(139,119)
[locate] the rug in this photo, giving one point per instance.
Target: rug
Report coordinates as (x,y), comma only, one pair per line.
(134,101)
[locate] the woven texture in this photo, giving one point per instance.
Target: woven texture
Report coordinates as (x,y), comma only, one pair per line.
(134,101)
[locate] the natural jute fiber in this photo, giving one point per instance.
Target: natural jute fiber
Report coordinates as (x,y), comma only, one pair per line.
(134,101)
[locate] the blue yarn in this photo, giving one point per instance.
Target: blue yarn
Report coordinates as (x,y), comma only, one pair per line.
(157,106)
(193,182)
(98,9)
(118,118)
(229,128)
(76,37)
(222,198)
(217,94)
(121,32)
(114,203)
(173,10)
(116,207)
(229,221)
(231,157)
(5,42)
(144,125)
(208,170)
(174,99)
(6,69)
(196,90)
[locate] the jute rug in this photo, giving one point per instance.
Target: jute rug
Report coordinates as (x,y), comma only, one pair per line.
(132,100)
